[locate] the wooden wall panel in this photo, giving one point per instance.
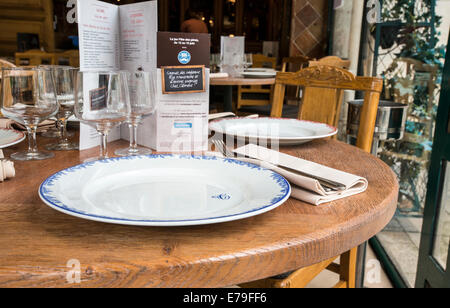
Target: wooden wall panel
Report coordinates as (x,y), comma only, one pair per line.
(27,16)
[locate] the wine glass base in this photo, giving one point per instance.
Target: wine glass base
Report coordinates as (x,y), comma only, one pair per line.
(55,134)
(133,152)
(94,159)
(62,147)
(27,156)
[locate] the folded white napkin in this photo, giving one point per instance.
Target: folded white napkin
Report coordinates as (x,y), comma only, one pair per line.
(305,188)
(218,75)
(216,116)
(42,127)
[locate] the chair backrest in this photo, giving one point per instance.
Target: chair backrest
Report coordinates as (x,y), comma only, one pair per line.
(260,60)
(331,61)
(72,57)
(295,63)
(329,77)
(35,57)
(323,105)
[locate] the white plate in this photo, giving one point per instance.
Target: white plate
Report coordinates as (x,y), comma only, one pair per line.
(10,137)
(259,69)
(284,131)
(165,190)
(260,74)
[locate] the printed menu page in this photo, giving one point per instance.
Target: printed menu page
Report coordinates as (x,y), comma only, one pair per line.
(98,30)
(116,38)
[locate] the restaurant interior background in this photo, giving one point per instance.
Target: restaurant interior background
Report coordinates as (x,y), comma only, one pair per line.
(406,47)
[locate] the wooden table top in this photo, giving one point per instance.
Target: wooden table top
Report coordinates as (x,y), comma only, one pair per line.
(36,242)
(229,81)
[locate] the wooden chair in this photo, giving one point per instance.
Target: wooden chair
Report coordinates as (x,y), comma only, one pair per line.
(35,57)
(69,57)
(294,64)
(256,95)
(328,77)
(294,94)
(260,60)
(331,61)
(327,99)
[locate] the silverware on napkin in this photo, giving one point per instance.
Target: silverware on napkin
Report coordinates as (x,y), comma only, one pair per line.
(328,185)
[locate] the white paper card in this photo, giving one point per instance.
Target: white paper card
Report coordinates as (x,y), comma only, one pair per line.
(232,51)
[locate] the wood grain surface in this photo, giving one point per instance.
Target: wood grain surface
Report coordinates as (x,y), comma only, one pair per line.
(36,242)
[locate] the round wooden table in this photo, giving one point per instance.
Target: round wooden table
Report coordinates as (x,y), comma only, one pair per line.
(229,82)
(40,247)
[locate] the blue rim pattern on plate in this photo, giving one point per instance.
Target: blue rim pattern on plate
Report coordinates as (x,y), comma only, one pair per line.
(45,191)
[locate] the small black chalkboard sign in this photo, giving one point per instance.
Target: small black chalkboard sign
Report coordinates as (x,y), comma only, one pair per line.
(183,79)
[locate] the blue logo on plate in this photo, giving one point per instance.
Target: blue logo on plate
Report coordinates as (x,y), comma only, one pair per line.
(222,197)
(184,57)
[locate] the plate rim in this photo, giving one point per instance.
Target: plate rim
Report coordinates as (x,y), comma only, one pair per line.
(260,74)
(285,188)
(16,141)
(332,128)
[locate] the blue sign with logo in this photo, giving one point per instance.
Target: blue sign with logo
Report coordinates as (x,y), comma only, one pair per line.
(183,125)
(184,57)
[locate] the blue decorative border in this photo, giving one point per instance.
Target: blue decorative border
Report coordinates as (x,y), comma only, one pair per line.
(46,194)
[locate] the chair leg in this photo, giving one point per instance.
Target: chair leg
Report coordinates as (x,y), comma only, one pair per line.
(348,268)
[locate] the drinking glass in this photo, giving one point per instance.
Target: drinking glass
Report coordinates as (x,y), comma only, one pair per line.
(64,77)
(248,60)
(28,97)
(102,101)
(142,103)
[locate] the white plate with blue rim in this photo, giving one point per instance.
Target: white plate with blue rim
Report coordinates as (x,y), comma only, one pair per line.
(165,190)
(10,137)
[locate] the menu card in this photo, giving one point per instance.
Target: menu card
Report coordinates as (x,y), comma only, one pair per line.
(180,123)
(232,54)
(116,38)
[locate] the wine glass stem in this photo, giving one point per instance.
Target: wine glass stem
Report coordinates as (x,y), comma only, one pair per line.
(133,135)
(63,131)
(103,144)
(32,144)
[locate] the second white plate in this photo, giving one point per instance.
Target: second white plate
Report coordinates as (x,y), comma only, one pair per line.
(283,131)
(260,74)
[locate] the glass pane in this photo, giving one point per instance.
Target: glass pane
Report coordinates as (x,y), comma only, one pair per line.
(229,18)
(256,20)
(409,79)
(442,234)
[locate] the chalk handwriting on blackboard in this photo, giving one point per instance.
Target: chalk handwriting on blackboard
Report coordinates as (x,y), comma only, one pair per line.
(183,79)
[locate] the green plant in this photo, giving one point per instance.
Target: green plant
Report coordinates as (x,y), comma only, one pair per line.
(416,38)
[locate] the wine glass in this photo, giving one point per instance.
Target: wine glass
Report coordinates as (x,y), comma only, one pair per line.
(248,60)
(28,97)
(142,102)
(64,77)
(102,101)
